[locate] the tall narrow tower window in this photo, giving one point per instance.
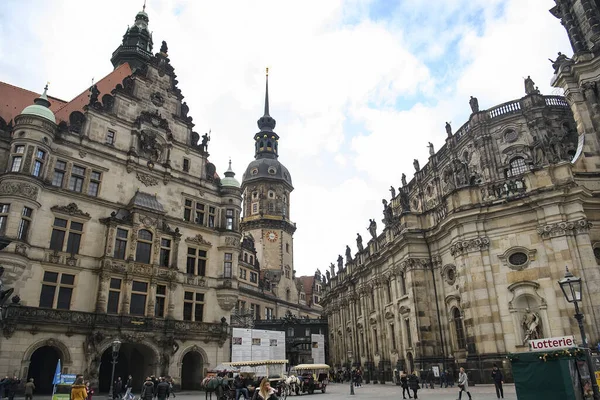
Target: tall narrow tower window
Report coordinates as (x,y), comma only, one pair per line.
(229,219)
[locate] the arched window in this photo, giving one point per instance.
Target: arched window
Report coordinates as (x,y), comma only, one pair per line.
(143,251)
(389,291)
(460,330)
(287,294)
(287,272)
(517,167)
(262,145)
(269,144)
(245,257)
(402,284)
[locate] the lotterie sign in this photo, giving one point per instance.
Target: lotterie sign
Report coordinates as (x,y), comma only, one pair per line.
(554,343)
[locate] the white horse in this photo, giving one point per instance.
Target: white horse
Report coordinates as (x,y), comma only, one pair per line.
(294,383)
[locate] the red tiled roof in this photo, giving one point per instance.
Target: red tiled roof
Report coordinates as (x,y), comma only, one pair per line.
(307,284)
(105,86)
(14,99)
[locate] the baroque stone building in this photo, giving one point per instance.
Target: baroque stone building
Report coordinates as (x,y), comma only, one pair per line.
(466,267)
(121,228)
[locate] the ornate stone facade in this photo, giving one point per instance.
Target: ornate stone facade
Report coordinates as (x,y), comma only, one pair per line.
(466,268)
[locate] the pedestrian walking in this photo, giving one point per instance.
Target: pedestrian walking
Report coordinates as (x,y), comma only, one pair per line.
(3,383)
(404,384)
(171,387)
(117,388)
(12,387)
(498,381)
(162,390)
(463,383)
(147,390)
(128,387)
(29,388)
(413,384)
(90,391)
(78,391)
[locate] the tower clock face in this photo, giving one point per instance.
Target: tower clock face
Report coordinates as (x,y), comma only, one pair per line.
(271,236)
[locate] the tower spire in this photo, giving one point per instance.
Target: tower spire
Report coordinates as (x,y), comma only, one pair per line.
(266,122)
(144,7)
(267,94)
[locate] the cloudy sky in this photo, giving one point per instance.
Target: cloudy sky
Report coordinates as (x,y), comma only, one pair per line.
(358,87)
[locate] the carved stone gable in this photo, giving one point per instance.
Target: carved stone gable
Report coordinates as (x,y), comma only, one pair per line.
(72,209)
(198,240)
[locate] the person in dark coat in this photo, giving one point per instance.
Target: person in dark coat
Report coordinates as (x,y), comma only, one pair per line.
(404,384)
(498,381)
(13,386)
(147,390)
(29,388)
(3,383)
(162,390)
(413,384)
(117,388)
(240,388)
(155,383)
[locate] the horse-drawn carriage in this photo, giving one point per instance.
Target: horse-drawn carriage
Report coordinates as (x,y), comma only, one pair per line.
(312,377)
(255,371)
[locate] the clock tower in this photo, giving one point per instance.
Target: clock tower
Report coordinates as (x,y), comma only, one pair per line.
(266,187)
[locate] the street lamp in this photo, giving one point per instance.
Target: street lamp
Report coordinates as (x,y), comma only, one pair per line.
(351,375)
(116,345)
(571,287)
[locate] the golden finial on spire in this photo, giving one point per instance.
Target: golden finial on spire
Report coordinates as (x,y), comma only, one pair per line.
(267,71)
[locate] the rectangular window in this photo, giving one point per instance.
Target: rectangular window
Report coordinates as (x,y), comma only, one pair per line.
(74,240)
(253,277)
(77,178)
(60,169)
(193,306)
(307,332)
(243,273)
(228,266)
(268,313)
(402,284)
(187,210)
(254,208)
(211,217)
(165,252)
(20,149)
(186,165)
(110,137)
(408,333)
(376,341)
(53,283)
(139,293)
(290,332)
(389,291)
(60,231)
(161,297)
(121,244)
(38,166)
(196,262)
(4,209)
(94,185)
(393,336)
(25,223)
(229,219)
(199,214)
(16,164)
(114,295)
(257,310)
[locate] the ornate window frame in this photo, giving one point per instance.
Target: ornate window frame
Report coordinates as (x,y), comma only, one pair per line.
(504,257)
(447,271)
(596,245)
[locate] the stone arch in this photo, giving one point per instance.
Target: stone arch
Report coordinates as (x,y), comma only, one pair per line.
(106,344)
(197,349)
(57,344)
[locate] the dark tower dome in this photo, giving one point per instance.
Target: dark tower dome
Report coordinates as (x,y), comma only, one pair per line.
(136,48)
(266,143)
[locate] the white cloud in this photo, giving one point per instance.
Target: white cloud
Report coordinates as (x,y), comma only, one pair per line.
(336,78)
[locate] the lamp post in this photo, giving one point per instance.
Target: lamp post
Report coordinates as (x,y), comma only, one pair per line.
(572,289)
(116,345)
(351,375)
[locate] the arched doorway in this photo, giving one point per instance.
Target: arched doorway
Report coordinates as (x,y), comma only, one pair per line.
(42,367)
(191,371)
(137,360)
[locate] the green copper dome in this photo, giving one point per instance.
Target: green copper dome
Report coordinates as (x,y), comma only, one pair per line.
(229,180)
(40,108)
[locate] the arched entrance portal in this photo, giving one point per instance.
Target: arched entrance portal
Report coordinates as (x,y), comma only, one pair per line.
(42,367)
(191,371)
(137,360)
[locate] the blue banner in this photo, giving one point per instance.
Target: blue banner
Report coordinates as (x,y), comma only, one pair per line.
(57,374)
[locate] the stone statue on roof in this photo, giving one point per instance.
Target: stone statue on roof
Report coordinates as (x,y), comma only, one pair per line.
(431,150)
(163,48)
(404,180)
(372,228)
(340,262)
(348,254)
(205,140)
(416,165)
(393,191)
(558,62)
(359,242)
(449,129)
(94,93)
(530,86)
(474,103)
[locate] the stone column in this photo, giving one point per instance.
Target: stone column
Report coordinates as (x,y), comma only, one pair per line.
(110,240)
(171,309)
(175,254)
(126,295)
(101,298)
(151,299)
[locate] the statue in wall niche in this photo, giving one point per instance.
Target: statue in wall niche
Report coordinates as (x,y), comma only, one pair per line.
(404,180)
(448,179)
(461,173)
(537,150)
(372,228)
(359,243)
(348,254)
(474,103)
(393,191)
(150,145)
(531,325)
(340,262)
(404,202)
(449,129)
